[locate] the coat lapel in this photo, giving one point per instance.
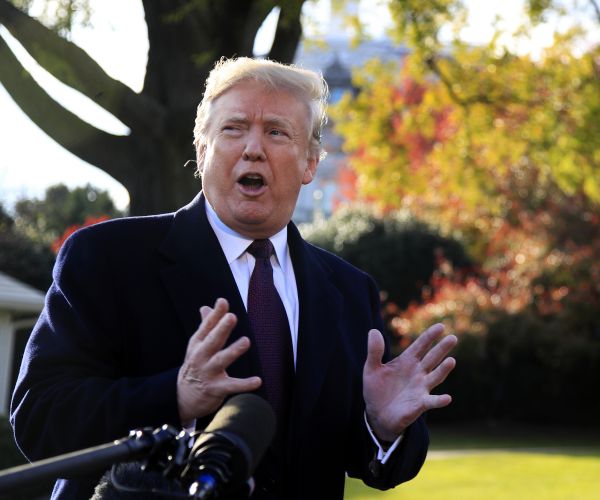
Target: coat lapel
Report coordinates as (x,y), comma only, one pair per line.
(196,273)
(318,332)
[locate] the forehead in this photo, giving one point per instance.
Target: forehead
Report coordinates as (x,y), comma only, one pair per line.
(256,100)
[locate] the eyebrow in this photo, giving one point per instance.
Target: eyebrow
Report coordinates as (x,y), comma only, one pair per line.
(278,121)
(241,118)
(235,118)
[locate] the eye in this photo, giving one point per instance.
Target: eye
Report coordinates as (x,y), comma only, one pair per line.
(278,133)
(231,129)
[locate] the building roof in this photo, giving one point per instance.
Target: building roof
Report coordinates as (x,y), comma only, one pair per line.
(17,296)
(339,50)
(337,75)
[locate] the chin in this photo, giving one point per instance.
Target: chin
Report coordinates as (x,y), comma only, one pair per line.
(255,216)
(257,229)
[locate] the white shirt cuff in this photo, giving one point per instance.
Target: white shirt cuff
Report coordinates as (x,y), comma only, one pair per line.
(382,455)
(190,426)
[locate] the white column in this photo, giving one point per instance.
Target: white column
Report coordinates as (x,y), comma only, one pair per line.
(7,340)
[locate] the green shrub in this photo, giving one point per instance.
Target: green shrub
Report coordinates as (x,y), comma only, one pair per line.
(529,325)
(10,456)
(400,252)
(9,453)
(527,368)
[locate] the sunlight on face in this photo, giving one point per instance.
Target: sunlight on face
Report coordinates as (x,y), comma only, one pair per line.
(256,158)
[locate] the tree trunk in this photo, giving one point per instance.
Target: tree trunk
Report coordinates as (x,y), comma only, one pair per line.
(186,37)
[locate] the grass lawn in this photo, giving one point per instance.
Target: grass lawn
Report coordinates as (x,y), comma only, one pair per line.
(470,462)
(522,464)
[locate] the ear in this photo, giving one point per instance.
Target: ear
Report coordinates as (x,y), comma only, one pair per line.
(311,170)
(200,155)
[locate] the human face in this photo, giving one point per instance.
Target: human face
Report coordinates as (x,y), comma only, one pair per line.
(256,157)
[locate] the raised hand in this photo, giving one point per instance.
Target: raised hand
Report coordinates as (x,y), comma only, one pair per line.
(203,382)
(398,392)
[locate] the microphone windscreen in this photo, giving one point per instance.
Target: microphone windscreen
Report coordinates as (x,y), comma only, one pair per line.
(133,476)
(248,418)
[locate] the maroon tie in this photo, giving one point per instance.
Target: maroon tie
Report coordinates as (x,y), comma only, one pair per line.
(271,330)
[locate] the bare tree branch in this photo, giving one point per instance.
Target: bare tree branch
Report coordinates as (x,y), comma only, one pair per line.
(74,67)
(99,148)
(185,39)
(596,8)
(257,14)
(288,31)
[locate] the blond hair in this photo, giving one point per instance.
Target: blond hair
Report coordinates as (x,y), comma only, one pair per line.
(304,84)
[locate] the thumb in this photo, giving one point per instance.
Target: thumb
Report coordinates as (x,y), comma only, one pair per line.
(375,349)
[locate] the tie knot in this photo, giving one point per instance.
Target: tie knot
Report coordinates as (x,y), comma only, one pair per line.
(261,249)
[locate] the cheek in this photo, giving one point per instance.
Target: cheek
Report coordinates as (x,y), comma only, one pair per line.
(225,155)
(211,172)
(215,161)
(214,178)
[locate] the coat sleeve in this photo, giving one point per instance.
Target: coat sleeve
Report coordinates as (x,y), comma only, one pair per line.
(407,460)
(71,392)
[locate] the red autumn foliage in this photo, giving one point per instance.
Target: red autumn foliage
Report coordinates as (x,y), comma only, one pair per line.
(89,221)
(541,252)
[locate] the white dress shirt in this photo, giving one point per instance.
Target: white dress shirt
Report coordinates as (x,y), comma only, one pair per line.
(242,263)
(234,247)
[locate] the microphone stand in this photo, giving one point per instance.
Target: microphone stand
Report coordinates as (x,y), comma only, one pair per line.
(140,443)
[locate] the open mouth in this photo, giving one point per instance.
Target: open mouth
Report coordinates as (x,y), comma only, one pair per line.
(252,181)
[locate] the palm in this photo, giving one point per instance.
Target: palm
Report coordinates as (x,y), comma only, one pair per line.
(398,392)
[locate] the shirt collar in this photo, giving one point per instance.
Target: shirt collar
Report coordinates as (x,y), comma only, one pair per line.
(234,244)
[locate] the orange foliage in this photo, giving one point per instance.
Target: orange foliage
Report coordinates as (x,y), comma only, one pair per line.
(89,221)
(532,263)
(510,177)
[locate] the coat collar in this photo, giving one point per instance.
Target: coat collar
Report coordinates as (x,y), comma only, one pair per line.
(196,273)
(318,330)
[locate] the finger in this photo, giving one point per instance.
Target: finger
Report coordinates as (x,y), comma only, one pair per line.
(434,401)
(437,376)
(437,354)
(223,359)
(202,330)
(214,314)
(239,385)
(423,342)
(210,318)
(204,312)
(375,350)
(216,338)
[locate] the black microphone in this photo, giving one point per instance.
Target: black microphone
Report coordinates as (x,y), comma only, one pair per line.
(226,454)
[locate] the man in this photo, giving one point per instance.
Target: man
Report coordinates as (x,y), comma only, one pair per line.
(117,346)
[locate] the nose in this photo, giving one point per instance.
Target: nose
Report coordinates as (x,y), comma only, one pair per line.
(254,151)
